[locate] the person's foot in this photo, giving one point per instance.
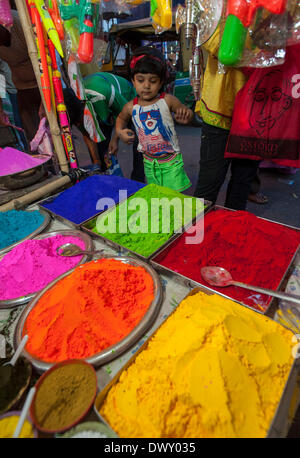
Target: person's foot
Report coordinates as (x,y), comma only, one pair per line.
(258,198)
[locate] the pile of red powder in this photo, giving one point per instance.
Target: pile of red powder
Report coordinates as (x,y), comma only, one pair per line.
(253,250)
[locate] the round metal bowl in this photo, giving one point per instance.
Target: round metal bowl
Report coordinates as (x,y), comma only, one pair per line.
(69,232)
(58,388)
(113,351)
(38,230)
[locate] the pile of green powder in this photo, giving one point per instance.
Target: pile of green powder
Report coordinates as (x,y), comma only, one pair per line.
(145,221)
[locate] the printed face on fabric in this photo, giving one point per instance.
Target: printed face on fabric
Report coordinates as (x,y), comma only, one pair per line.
(270,102)
(147,85)
(150,119)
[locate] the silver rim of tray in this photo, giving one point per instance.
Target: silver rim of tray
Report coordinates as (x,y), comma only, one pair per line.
(88,246)
(38,230)
(113,351)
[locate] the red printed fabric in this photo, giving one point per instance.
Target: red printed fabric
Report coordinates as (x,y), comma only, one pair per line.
(266,116)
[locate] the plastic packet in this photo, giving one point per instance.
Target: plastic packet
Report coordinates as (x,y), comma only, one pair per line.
(81,22)
(261,44)
(118,8)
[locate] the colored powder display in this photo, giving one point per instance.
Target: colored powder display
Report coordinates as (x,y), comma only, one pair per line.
(33,264)
(15,225)
(145,221)
(9,424)
(253,250)
(94,307)
(215,369)
(64,395)
(79,203)
(15,161)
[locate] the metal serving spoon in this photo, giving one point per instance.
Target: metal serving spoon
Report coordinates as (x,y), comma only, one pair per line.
(217,276)
(70,249)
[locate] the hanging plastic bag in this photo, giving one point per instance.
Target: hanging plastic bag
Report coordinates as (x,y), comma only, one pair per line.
(266,116)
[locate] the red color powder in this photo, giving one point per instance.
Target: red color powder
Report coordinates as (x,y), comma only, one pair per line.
(253,250)
(89,310)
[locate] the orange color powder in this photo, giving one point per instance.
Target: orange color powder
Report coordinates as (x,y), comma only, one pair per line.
(92,308)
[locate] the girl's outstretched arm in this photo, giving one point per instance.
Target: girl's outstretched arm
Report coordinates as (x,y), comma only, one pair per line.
(182,114)
(126,135)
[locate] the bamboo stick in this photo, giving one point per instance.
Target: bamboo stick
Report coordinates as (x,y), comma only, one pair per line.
(51,116)
(37,194)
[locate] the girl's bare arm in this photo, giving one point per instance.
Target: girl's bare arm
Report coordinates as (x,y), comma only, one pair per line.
(126,135)
(182,114)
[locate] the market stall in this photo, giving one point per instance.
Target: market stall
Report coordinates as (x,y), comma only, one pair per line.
(68,305)
(124,337)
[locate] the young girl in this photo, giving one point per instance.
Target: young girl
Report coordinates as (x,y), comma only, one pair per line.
(151,114)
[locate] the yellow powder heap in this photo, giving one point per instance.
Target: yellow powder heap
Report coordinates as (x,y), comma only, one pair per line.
(8,425)
(213,369)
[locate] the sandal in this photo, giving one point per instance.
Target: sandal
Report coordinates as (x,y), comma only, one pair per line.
(258,198)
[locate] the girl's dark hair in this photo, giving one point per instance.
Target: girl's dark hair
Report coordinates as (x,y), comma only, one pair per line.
(152,62)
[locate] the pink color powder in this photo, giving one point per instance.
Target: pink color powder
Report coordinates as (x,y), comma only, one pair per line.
(33,264)
(14,161)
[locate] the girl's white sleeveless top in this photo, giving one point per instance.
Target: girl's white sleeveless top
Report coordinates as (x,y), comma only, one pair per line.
(155,129)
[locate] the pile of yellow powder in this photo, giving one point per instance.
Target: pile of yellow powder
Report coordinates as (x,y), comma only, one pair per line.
(8,425)
(213,369)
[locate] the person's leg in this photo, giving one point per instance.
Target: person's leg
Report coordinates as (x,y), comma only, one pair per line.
(255,194)
(243,172)
(213,165)
(29,101)
(102,147)
(138,172)
(17,118)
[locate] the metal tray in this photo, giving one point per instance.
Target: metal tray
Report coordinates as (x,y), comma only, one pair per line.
(186,281)
(24,178)
(88,246)
(68,222)
(126,251)
(113,351)
(38,230)
(282,418)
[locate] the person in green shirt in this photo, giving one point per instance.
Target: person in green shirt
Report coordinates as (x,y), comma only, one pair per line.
(108,93)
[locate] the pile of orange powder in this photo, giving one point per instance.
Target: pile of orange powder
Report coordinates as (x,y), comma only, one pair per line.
(94,307)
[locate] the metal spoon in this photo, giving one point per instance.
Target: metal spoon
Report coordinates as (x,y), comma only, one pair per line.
(70,249)
(6,368)
(217,276)
(24,412)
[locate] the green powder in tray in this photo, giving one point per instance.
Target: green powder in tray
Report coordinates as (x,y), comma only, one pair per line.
(145,221)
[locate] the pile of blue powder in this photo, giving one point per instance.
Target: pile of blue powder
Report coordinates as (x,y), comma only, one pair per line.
(79,203)
(15,225)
